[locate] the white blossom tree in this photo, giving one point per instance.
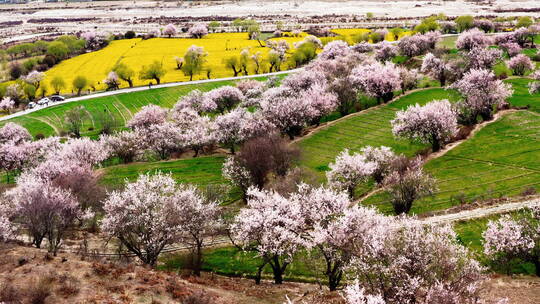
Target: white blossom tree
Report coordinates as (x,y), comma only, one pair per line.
(435,123)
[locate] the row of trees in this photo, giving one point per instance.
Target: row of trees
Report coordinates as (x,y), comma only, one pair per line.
(154,211)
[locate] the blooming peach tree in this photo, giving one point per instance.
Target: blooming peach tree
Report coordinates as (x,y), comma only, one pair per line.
(435,123)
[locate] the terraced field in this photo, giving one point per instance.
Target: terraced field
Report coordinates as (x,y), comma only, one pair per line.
(120,108)
(502,159)
(371,127)
(200,171)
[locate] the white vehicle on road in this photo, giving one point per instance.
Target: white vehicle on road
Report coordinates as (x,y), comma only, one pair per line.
(43,101)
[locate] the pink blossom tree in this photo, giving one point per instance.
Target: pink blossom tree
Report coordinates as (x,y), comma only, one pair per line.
(7,104)
(112,81)
(247,85)
(407,183)
(349,228)
(482,91)
(435,67)
(81,150)
(272,226)
(435,123)
(199,219)
(377,80)
(362,47)
(125,145)
(197,131)
(7,229)
(335,49)
(403,265)
(44,210)
(286,111)
(382,157)
(14,158)
(162,139)
(89,36)
(223,98)
(485,25)
(348,171)
(534,86)
(239,125)
(199,30)
(302,80)
(148,115)
(472,38)
(236,172)
(354,294)
(418,44)
(14,133)
(154,212)
(409,78)
(321,102)
(194,100)
(482,58)
(514,237)
(169,30)
(34,78)
(386,51)
(511,48)
(520,64)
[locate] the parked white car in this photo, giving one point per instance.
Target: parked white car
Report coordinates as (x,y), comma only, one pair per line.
(31,105)
(43,101)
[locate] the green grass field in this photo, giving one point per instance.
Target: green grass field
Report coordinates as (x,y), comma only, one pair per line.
(230,261)
(521,96)
(502,159)
(371,127)
(201,171)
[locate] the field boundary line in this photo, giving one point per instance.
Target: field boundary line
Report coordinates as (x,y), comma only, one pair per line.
(46,122)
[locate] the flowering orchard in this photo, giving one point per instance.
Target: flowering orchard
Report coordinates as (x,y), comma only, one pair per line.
(383,258)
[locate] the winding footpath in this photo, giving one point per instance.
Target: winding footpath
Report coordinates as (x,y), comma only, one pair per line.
(481,212)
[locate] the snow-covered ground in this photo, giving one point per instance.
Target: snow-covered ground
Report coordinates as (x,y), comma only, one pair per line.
(403,8)
(119,16)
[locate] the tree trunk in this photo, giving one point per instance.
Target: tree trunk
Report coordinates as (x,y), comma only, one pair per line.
(278,269)
(536,263)
(259,274)
(198,260)
(436,144)
(442,80)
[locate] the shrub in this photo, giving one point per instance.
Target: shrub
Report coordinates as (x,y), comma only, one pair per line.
(129,35)
(15,71)
(198,297)
(37,293)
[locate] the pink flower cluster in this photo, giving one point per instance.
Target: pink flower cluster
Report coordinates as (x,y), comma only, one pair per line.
(473,38)
(435,123)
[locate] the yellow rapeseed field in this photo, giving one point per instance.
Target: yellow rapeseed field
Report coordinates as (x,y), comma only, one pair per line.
(137,53)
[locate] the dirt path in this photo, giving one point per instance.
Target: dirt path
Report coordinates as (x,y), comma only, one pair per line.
(481,212)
